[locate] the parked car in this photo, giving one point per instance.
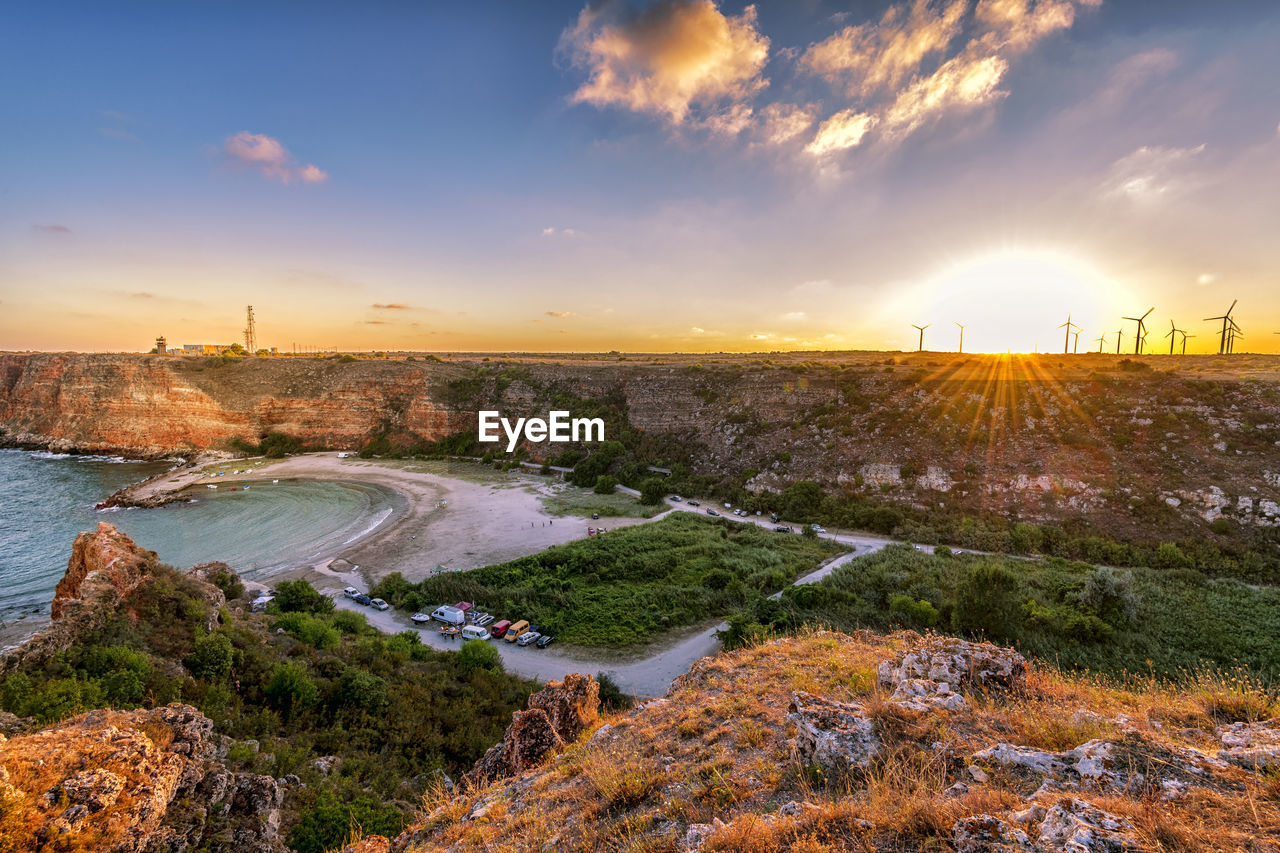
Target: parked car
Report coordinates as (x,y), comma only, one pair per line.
(818,528)
(499,629)
(527,638)
(782,528)
(595,515)
(711,511)
(449,615)
(474,632)
(545,640)
(379,604)
(351,592)
(675,498)
(260,603)
(774,516)
(694,503)
(514,632)
(363,599)
(483,620)
(420,618)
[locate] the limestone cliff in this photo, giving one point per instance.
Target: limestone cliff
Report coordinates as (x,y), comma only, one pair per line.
(1119,445)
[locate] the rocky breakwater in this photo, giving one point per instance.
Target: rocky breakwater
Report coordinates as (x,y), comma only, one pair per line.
(105,567)
(129,782)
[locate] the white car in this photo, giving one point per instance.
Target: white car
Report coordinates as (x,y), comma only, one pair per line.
(379,604)
(351,592)
(420,618)
(527,638)
(818,528)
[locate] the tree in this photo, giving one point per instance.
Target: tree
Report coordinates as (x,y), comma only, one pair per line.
(605,484)
(301,597)
(479,654)
(652,491)
(987,602)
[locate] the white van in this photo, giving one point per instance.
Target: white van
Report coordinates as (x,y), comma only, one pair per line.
(474,632)
(449,615)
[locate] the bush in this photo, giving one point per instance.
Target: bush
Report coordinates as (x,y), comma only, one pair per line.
(291,689)
(313,630)
(212,657)
(301,597)
(479,654)
(920,614)
(605,484)
(652,491)
(987,603)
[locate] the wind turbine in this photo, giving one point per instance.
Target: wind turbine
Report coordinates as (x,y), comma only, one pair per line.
(1101,342)
(1142,330)
(921,328)
(1233,333)
(1172,335)
(1184,341)
(1066,341)
(961,336)
(1119,338)
(1226,321)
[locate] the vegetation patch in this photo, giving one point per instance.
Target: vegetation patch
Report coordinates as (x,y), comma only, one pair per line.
(623,588)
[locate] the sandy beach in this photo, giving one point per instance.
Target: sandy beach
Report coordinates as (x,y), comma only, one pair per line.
(460,515)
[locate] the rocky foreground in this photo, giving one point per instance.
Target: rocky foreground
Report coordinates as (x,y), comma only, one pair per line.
(830,743)
(823,742)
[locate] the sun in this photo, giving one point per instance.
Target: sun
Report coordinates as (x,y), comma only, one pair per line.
(1015,300)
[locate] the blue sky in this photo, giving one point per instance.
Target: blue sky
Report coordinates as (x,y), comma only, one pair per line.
(682,175)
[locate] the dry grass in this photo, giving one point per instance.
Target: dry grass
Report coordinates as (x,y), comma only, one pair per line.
(718,748)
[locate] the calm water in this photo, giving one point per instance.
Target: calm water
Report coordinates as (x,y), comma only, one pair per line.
(46,499)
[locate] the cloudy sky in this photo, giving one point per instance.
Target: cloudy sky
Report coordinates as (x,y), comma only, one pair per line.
(679,175)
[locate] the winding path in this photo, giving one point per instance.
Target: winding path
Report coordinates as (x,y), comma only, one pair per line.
(644,677)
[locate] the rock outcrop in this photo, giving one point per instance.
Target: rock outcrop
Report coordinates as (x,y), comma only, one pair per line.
(836,736)
(132,782)
(928,674)
(1251,745)
(556,715)
(106,566)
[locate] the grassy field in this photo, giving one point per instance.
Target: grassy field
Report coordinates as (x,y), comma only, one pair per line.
(1167,623)
(583,502)
(624,588)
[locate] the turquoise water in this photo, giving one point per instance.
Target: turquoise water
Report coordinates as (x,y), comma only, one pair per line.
(46,499)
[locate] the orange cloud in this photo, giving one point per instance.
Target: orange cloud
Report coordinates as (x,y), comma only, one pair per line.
(843,130)
(272,160)
(390,306)
(867,58)
(671,58)
(964,81)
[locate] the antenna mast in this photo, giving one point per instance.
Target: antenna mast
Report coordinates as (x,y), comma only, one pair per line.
(250,332)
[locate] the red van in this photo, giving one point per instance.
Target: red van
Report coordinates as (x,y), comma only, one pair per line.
(499,629)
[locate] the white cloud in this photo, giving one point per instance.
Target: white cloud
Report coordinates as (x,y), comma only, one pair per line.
(1151,173)
(781,123)
(272,160)
(843,130)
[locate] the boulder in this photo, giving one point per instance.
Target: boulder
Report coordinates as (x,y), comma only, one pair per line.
(922,695)
(94,789)
(836,736)
(1075,826)
(556,715)
(571,705)
(1253,746)
(986,833)
(1132,763)
(959,664)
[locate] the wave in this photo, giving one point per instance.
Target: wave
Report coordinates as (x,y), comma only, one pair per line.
(373,525)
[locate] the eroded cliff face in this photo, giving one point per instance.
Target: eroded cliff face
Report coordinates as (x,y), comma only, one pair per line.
(1139,450)
(153,406)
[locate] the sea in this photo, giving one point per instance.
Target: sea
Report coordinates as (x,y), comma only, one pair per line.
(48,498)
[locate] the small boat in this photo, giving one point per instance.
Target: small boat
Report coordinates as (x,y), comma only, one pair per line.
(275,481)
(212,486)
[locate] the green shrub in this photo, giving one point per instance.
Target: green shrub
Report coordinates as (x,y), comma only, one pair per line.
(300,597)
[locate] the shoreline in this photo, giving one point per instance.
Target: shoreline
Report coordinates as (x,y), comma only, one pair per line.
(456,514)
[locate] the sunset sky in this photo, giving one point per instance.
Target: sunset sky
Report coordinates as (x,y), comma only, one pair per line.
(681,175)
